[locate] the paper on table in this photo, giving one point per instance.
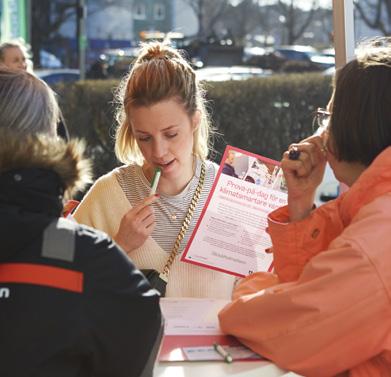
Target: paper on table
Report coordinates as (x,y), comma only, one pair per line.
(192,316)
(191,325)
(209,353)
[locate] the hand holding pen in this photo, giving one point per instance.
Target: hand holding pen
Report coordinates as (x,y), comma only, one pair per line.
(303,166)
(138,223)
(293,153)
(319,137)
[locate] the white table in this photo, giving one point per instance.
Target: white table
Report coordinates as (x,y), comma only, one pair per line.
(220,369)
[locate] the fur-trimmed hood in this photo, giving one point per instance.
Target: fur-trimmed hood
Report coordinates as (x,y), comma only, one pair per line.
(38,151)
(35,173)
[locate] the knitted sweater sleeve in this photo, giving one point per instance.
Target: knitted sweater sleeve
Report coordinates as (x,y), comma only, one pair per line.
(103,206)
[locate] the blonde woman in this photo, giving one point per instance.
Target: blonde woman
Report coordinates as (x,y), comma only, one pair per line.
(162,124)
(13,55)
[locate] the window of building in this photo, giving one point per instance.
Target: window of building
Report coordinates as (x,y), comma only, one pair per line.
(159,12)
(140,11)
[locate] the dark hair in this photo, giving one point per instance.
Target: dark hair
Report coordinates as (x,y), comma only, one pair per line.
(361,108)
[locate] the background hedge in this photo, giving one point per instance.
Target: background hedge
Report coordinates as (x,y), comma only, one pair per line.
(262,115)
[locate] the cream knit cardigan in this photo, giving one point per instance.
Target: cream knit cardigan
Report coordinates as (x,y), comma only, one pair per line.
(103,208)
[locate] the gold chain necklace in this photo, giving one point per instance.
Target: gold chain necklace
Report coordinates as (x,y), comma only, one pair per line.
(185,225)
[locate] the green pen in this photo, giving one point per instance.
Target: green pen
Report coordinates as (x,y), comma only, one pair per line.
(155,180)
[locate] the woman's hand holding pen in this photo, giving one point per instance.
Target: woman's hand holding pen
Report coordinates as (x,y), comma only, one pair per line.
(136,225)
(303,166)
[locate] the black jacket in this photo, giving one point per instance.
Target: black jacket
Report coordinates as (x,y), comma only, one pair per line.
(229,170)
(71,302)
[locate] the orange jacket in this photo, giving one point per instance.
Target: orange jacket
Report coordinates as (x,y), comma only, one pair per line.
(328,310)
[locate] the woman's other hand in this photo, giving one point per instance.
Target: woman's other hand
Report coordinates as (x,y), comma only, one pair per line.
(303,175)
(136,225)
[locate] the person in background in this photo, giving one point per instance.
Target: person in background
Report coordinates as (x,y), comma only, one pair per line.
(327,311)
(71,302)
(13,55)
(98,70)
(162,124)
(228,167)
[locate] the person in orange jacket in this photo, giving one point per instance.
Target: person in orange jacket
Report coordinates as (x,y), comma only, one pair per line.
(326,310)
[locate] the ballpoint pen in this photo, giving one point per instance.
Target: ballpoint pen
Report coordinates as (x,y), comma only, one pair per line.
(222,352)
(155,180)
(294,153)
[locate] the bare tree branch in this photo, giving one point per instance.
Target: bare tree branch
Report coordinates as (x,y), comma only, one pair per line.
(379,10)
(307,21)
(207,13)
(217,14)
(49,15)
(295,28)
(365,16)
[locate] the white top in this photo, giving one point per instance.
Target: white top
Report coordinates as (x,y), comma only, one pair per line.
(115,193)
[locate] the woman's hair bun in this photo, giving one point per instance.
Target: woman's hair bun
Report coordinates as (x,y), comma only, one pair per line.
(157,50)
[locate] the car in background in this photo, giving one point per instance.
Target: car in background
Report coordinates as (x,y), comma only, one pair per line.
(48,60)
(118,60)
(329,52)
(329,71)
(57,76)
(230,73)
(262,57)
(306,54)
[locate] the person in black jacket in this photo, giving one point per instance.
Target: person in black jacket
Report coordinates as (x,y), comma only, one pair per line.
(71,302)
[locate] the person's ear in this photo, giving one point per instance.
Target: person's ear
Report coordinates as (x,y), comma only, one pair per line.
(196,120)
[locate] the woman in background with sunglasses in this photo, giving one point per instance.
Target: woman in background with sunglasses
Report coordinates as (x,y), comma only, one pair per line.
(327,308)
